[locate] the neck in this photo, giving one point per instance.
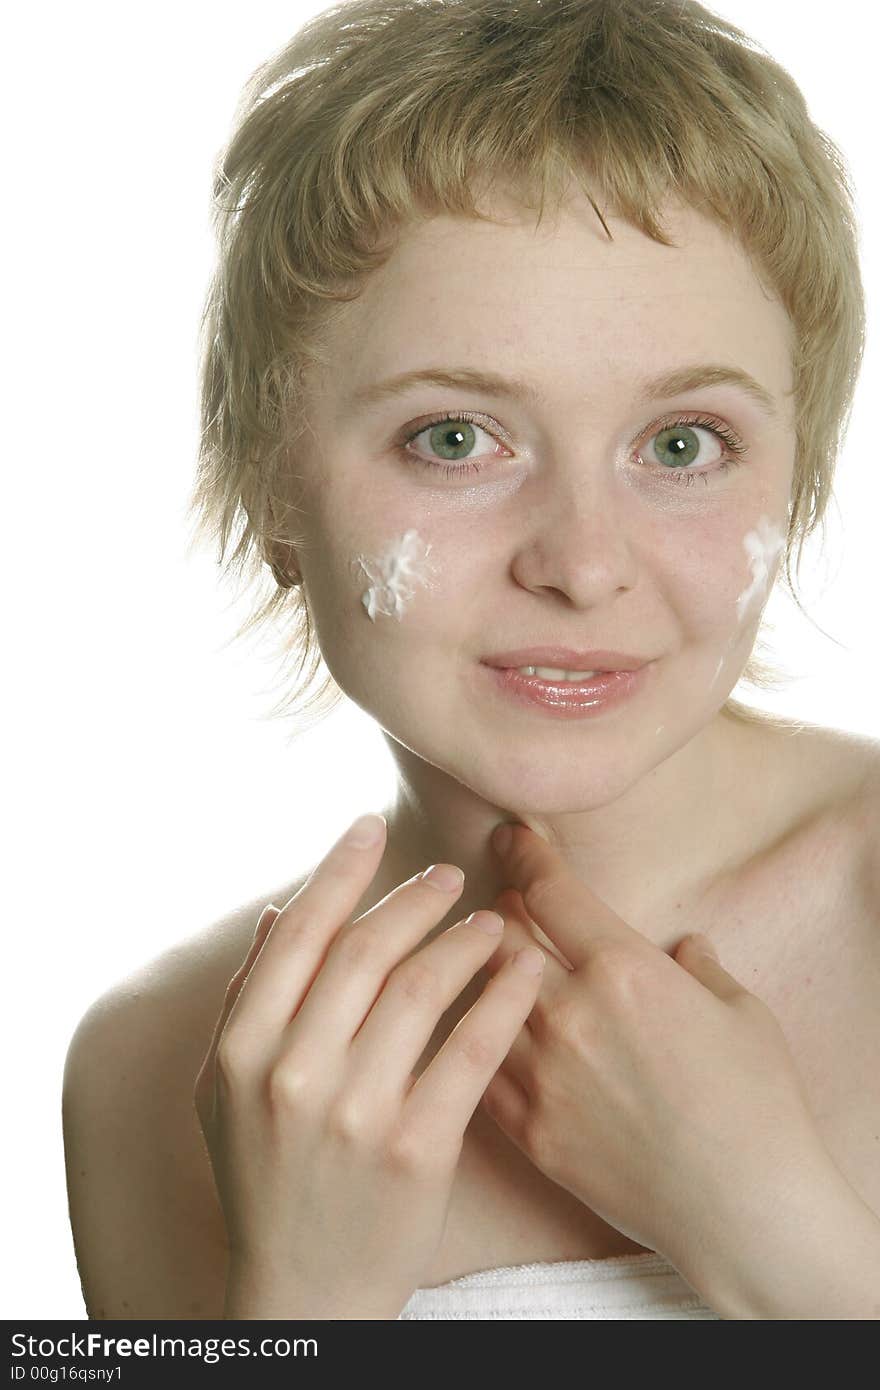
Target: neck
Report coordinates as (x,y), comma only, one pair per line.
(652,852)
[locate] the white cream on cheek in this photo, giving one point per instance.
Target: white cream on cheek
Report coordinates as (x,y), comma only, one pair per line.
(393,575)
(763,546)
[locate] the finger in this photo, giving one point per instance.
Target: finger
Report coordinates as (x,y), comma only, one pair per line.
(698,956)
(519,1064)
(205,1078)
(264,925)
(261,931)
(397,1029)
(506,1102)
(574,919)
(360,961)
(443,1099)
(520,931)
(300,937)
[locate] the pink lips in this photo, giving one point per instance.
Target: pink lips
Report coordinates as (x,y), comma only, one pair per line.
(565,659)
(585,699)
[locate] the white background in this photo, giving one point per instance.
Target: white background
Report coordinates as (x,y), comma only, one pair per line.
(146,794)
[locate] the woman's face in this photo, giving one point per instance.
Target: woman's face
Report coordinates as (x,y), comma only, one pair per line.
(564,515)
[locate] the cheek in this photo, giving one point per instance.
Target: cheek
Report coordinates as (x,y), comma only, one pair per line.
(411,579)
(762,548)
(725,574)
(379,595)
(764,545)
(390,577)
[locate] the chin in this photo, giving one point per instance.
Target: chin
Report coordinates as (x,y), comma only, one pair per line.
(552,784)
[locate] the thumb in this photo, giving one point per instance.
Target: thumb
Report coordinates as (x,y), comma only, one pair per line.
(698,956)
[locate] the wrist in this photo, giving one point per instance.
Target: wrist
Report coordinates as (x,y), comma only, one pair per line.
(252,1296)
(803,1250)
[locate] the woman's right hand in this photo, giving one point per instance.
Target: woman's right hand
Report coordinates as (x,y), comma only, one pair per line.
(333,1163)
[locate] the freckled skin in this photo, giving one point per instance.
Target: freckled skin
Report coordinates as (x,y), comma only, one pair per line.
(571,532)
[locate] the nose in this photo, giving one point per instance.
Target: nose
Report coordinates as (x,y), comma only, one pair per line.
(578,546)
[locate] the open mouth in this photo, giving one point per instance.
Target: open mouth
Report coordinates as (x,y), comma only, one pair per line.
(567,694)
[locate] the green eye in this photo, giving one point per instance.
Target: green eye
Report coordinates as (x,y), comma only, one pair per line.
(455,435)
(452,437)
(681,442)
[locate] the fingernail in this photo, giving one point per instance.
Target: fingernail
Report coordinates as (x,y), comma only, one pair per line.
(446,877)
(492,923)
(502,838)
(529,961)
(366,830)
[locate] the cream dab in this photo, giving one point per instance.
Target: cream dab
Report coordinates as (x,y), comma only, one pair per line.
(393,575)
(762,546)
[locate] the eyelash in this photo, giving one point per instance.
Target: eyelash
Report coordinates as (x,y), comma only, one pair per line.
(679,475)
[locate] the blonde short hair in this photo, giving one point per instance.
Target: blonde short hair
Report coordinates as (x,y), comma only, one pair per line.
(380,112)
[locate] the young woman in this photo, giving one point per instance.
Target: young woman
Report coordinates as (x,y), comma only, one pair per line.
(532,338)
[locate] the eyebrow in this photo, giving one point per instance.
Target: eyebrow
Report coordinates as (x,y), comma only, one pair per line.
(672,383)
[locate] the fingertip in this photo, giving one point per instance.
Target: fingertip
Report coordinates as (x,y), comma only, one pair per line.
(529,961)
(502,837)
(366,831)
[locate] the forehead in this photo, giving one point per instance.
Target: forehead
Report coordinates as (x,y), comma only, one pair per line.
(559,297)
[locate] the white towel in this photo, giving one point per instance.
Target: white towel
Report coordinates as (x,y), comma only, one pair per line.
(622,1286)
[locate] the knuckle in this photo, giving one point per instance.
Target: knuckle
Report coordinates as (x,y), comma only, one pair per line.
(614,968)
(298,924)
(287,1085)
(416,983)
(230,1065)
(477,1050)
(348,1120)
(360,946)
(412,1157)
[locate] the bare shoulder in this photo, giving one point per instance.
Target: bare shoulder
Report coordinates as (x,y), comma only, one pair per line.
(835,779)
(862,810)
(840,771)
(810,853)
(823,773)
(147,1225)
(840,1037)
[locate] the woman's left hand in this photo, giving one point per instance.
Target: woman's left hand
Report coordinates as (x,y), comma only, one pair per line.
(655,1088)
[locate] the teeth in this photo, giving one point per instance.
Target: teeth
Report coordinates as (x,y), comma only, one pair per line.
(552,673)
